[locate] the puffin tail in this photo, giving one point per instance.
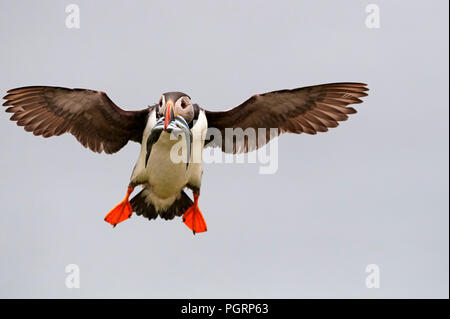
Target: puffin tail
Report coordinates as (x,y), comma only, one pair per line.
(143,206)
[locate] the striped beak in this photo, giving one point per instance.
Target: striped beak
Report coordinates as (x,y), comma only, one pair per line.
(169,116)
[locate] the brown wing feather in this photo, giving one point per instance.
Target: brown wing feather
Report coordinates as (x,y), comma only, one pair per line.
(90,116)
(304,110)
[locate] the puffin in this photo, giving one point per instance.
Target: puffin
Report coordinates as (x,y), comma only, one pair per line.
(173,134)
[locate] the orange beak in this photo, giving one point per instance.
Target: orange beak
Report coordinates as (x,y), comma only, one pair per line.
(169,116)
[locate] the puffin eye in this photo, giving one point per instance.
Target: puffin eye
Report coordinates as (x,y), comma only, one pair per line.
(183,104)
(160,103)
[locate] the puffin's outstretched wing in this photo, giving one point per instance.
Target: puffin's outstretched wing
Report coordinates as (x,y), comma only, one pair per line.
(304,110)
(90,116)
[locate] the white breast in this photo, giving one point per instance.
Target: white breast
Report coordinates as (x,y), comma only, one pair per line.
(163,177)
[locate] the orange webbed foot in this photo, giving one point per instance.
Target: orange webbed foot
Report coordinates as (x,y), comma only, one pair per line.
(193,218)
(121,211)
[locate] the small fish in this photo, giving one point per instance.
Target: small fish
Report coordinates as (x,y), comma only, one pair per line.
(177,126)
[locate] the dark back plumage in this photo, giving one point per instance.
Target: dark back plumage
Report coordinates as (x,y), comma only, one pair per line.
(174,96)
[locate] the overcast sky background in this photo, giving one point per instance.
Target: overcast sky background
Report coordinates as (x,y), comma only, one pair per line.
(372,191)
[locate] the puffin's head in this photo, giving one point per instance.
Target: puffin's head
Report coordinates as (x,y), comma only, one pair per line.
(172,104)
(174,113)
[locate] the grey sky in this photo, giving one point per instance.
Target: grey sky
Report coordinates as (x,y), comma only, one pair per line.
(372,191)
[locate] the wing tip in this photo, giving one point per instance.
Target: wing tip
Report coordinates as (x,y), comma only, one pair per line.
(22,88)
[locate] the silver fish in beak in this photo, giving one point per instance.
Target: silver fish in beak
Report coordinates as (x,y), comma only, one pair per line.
(177,126)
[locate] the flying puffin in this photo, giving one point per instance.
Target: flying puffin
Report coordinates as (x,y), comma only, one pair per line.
(100,125)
